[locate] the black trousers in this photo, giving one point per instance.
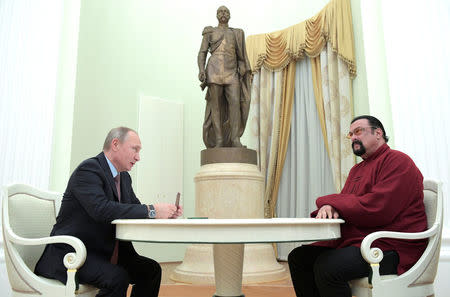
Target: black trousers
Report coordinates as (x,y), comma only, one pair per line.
(325,272)
(113,280)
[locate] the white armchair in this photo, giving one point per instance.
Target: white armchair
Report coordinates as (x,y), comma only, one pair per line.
(28,217)
(419,279)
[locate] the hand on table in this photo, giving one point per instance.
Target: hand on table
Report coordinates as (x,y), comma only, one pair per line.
(327,212)
(167,211)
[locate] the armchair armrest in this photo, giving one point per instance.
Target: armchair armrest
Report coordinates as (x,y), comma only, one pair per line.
(71,260)
(375,255)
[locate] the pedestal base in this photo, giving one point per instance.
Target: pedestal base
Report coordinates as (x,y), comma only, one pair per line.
(229,185)
(260,265)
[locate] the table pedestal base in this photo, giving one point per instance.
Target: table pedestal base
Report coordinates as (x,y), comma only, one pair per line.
(260,265)
(228,263)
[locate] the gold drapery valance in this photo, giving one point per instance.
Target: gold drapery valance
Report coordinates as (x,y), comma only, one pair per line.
(279,51)
(274,51)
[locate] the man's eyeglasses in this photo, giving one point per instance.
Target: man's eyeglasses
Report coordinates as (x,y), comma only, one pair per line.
(358,131)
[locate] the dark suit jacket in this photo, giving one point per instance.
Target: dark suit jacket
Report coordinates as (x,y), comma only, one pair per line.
(89,204)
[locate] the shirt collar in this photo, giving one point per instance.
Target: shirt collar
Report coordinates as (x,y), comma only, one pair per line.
(111,166)
(378,152)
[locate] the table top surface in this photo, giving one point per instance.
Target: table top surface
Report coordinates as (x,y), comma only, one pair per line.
(207,221)
(228,230)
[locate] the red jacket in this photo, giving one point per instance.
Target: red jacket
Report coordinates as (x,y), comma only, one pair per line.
(383,192)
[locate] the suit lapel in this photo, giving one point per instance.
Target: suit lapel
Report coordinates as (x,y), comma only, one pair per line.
(104,164)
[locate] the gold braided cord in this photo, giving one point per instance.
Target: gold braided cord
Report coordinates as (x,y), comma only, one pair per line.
(274,51)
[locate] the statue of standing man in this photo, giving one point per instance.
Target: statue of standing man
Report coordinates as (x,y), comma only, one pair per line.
(227,76)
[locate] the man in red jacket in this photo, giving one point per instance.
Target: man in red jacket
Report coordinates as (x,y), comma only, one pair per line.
(383,192)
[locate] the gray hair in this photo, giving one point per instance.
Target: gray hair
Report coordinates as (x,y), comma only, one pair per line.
(120,133)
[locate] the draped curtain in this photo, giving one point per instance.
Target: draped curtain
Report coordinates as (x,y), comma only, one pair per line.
(263,125)
(306,158)
(338,113)
(327,38)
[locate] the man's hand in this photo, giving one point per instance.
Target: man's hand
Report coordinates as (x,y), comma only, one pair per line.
(202,76)
(167,211)
(327,212)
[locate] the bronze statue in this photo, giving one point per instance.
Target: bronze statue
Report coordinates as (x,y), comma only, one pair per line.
(227,76)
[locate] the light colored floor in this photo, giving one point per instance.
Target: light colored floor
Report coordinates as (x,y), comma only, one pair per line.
(168,267)
(169,288)
(208,291)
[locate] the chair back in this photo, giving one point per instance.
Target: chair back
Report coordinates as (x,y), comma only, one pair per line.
(419,279)
(29,213)
(430,196)
(432,199)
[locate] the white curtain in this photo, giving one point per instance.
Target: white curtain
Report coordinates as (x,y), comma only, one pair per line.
(419,86)
(337,104)
(307,171)
(265,108)
(29,47)
(418,64)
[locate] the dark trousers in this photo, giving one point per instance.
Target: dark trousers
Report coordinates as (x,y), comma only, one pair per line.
(325,272)
(113,280)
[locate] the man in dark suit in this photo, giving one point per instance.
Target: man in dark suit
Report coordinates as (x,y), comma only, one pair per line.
(99,191)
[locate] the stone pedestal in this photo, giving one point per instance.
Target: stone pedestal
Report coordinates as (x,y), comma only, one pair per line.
(228,189)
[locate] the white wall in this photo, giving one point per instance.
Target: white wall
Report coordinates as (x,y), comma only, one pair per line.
(159,175)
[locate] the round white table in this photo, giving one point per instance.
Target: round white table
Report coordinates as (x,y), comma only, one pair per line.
(228,237)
